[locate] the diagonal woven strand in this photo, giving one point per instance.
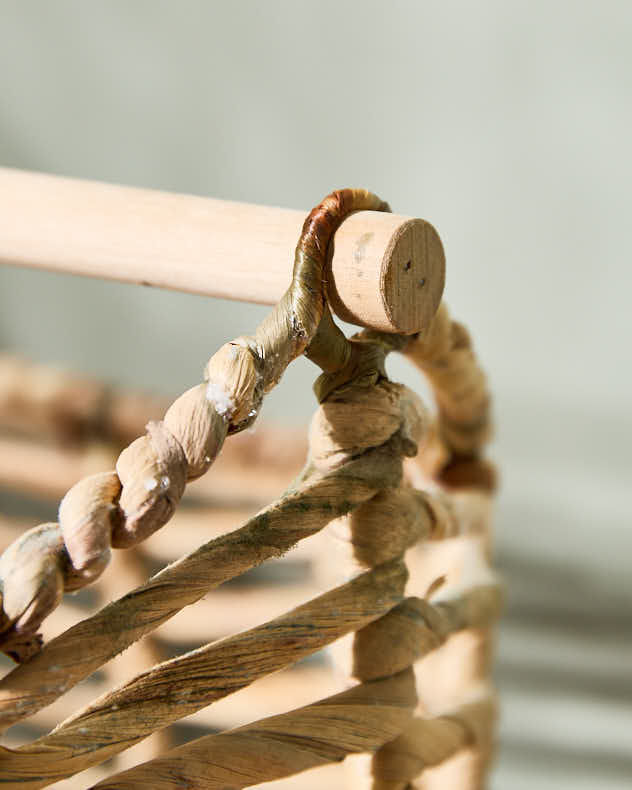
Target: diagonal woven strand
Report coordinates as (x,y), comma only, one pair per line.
(361,719)
(177,688)
(363,428)
(392,433)
(168,692)
(123,507)
(82,649)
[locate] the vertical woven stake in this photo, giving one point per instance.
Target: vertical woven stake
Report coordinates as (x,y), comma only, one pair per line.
(456,598)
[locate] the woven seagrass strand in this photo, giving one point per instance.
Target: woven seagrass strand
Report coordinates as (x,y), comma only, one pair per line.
(363,429)
(357,440)
(398,639)
(122,507)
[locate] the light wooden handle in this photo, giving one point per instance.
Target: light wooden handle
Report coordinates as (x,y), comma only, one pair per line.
(387,272)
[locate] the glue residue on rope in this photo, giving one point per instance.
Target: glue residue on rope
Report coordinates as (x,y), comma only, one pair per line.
(219,397)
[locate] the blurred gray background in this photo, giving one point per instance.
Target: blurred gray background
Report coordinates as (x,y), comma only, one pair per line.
(508,126)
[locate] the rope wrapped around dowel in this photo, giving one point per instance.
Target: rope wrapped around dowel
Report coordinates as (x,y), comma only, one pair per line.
(125,506)
(360,434)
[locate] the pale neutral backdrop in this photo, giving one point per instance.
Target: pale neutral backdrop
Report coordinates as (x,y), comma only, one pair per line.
(507,125)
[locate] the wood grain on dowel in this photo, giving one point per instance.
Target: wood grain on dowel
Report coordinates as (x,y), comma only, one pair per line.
(387,271)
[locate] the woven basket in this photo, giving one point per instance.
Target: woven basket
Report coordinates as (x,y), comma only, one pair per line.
(358,605)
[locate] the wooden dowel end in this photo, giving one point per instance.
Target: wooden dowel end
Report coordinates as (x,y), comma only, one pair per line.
(387,272)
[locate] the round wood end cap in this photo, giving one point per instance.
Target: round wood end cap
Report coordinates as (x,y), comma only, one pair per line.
(412,277)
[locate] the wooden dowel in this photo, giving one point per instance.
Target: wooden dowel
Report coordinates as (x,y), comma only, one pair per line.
(387,271)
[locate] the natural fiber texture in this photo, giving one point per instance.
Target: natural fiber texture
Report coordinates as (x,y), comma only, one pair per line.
(398,639)
(83,648)
(424,743)
(445,355)
(363,430)
(122,507)
(361,719)
(179,687)
(416,627)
